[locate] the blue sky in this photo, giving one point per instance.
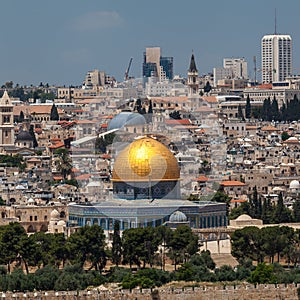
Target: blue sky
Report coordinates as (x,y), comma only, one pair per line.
(58,41)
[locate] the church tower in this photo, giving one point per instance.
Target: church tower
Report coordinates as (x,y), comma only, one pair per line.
(193,82)
(6,122)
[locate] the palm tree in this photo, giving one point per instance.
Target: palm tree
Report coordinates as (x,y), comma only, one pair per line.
(64,163)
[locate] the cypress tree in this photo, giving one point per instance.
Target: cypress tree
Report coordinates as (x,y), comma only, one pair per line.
(116,251)
(21,116)
(240,113)
(138,105)
(274,114)
(31,131)
(150,109)
(248,108)
(54,116)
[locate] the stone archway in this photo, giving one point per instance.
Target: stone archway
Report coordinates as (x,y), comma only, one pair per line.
(44,228)
(31,229)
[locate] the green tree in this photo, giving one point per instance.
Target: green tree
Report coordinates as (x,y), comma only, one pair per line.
(281,213)
(296,210)
(54,116)
(116,251)
(10,243)
(247,243)
(255,205)
(240,113)
(262,274)
(222,197)
(150,109)
(45,278)
(207,88)
(266,110)
(27,252)
(139,245)
(225,273)
(64,162)
(274,113)
(284,136)
(21,117)
(88,245)
(58,251)
(182,244)
(31,131)
(248,108)
(175,115)
(44,243)
(242,209)
(138,106)
(267,211)
(102,142)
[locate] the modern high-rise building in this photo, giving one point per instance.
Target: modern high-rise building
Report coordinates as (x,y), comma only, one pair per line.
(276,57)
(156,65)
(166,63)
(239,67)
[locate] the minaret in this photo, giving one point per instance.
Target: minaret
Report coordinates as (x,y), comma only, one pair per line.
(193,82)
(6,122)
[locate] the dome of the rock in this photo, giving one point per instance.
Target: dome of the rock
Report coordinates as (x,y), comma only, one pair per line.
(145,159)
(146,168)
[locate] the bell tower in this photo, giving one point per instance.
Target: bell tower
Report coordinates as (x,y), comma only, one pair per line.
(193,82)
(6,122)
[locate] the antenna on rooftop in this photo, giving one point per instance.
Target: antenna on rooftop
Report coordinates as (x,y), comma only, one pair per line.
(275,21)
(255,69)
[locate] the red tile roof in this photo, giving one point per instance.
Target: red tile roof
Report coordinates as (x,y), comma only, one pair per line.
(202,178)
(232,183)
(178,122)
(56,145)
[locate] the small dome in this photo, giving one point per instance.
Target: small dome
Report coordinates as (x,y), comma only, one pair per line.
(54,214)
(30,200)
(61,223)
(244,217)
(294,184)
(177,217)
(24,136)
(126,118)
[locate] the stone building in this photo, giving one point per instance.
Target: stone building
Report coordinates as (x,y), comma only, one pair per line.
(33,217)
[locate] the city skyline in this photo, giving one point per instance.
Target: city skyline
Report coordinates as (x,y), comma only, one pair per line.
(56,44)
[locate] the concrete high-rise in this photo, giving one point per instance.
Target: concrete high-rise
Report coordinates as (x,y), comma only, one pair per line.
(276,57)
(239,67)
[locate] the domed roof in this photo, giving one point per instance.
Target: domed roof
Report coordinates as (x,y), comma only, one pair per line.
(24,136)
(54,214)
(126,118)
(244,217)
(145,159)
(61,223)
(177,217)
(294,184)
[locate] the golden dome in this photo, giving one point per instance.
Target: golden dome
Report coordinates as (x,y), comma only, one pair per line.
(145,159)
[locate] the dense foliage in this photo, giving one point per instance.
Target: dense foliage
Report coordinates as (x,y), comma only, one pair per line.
(12,161)
(77,262)
(280,242)
(270,111)
(268,212)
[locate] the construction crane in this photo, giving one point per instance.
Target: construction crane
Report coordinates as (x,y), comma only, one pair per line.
(127,70)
